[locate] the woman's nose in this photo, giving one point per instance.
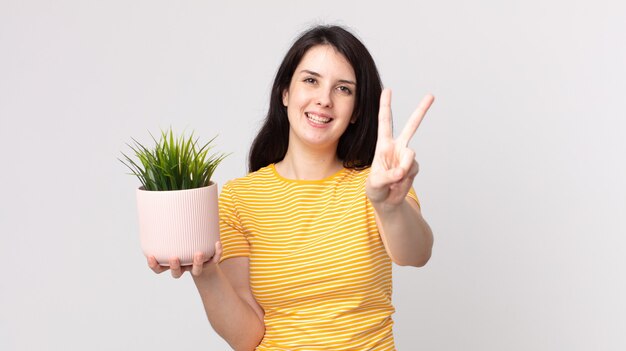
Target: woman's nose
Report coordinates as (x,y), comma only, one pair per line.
(324,98)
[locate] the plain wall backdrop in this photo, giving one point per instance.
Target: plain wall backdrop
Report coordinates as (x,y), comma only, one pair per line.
(522,157)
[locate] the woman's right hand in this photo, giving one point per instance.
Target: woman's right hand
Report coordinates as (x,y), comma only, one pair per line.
(200,263)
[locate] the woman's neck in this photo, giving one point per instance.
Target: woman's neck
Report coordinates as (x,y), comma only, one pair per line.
(303,165)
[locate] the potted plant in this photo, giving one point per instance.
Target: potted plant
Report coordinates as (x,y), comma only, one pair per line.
(177,201)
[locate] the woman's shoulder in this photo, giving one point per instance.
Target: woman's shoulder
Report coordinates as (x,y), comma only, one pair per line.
(357,174)
(256,178)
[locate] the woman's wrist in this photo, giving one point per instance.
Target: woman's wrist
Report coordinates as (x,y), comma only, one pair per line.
(210,272)
(389,210)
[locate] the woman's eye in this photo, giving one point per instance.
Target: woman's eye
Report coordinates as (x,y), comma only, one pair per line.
(345,90)
(310,80)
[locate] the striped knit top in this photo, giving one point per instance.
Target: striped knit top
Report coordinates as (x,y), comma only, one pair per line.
(318,267)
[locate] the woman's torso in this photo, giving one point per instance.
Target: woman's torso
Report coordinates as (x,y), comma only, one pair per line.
(317,264)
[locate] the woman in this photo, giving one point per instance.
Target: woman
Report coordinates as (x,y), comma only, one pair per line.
(309,235)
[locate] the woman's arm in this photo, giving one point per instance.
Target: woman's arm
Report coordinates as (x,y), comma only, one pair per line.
(229,304)
(227,297)
(407,237)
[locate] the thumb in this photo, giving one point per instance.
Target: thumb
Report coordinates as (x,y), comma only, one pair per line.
(217,256)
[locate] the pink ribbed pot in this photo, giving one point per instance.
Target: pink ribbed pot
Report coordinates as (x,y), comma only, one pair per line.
(178,223)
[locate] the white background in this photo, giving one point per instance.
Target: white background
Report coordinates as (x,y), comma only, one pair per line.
(522,159)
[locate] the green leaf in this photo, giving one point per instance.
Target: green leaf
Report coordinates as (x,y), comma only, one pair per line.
(174,162)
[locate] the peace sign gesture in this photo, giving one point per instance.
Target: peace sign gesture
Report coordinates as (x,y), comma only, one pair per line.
(394,166)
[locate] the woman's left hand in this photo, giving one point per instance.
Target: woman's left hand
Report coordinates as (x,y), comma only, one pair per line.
(394,166)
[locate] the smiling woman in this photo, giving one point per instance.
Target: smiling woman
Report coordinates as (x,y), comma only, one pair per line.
(319,101)
(356,145)
(309,235)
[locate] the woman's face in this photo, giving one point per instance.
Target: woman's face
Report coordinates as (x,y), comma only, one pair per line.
(320,99)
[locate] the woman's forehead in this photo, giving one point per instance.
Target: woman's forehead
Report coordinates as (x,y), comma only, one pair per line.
(326,61)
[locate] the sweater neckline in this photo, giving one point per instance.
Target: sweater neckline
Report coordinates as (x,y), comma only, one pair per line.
(312,181)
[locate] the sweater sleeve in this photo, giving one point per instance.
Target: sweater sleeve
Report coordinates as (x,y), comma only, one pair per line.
(413,196)
(234,241)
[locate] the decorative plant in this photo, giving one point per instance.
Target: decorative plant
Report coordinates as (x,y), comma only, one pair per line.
(174,163)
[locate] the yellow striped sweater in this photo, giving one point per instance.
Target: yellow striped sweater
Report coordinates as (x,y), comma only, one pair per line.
(318,267)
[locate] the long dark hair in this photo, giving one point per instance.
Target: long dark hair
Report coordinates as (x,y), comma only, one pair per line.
(357,144)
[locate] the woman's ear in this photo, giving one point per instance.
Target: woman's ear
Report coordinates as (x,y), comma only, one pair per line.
(285,97)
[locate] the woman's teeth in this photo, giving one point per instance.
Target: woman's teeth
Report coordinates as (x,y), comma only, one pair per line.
(317,119)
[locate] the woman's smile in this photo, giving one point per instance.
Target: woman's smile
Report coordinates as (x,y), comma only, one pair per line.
(318,119)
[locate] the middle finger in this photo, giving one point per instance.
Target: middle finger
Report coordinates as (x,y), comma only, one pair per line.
(198,262)
(415,120)
(175,268)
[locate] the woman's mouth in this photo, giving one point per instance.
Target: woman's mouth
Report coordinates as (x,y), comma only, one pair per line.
(317,119)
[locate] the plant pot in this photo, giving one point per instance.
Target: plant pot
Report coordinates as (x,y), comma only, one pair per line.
(178,223)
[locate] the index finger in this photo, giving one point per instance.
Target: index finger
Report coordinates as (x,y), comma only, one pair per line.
(416,118)
(155,266)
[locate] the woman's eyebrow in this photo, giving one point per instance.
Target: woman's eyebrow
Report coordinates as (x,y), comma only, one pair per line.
(313,73)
